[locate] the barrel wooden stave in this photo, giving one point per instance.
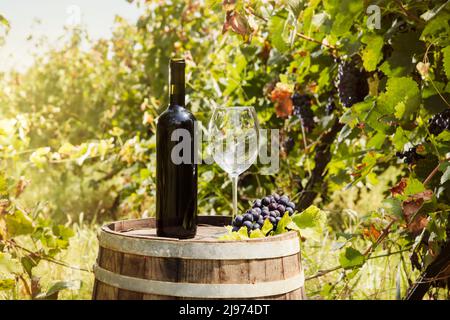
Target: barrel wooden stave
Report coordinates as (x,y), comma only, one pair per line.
(193,271)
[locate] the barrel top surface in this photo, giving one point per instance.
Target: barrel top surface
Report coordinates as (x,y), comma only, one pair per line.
(209,229)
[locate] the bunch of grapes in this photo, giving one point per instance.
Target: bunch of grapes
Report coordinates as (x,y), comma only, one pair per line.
(271,207)
(351,83)
(302,109)
(410,156)
(439,122)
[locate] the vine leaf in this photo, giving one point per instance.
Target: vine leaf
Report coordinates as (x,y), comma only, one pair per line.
(411,206)
(372,54)
(277,29)
(402,97)
(446,52)
(446,175)
(281,96)
(351,258)
(19,223)
(437,30)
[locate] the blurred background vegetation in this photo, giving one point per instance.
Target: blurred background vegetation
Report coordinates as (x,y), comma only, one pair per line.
(77,137)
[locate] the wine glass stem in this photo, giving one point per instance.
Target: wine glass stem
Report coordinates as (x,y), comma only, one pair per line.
(234,180)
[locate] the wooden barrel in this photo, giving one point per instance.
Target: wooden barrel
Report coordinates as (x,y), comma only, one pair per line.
(133,263)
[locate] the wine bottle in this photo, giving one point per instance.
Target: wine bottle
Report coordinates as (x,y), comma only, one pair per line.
(176,172)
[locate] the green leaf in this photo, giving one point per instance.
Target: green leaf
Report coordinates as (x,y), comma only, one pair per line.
(437,30)
(63,232)
(376,141)
(267,227)
(399,139)
(283,223)
(351,258)
(57,287)
(19,223)
(277,29)
(402,97)
(311,218)
(372,54)
(8,264)
(28,263)
(3,187)
(405,47)
(393,206)
(446,52)
(7,284)
(446,175)
(413,186)
(343,14)
(256,234)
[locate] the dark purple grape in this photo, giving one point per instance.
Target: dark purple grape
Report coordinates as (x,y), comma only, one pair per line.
(281,208)
(248,224)
(272,199)
(273,206)
(255,215)
(272,220)
(257,203)
(277,213)
(261,220)
(276,196)
(278,219)
(235,229)
(291,204)
(238,220)
(290,210)
(248,217)
(256,226)
(266,201)
(273,214)
(258,210)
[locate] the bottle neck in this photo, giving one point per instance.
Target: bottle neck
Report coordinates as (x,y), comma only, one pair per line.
(177,82)
(176,96)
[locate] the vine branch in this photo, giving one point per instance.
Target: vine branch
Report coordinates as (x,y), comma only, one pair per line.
(408,13)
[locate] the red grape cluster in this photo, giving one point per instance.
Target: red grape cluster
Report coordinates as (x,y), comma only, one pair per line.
(410,156)
(302,108)
(271,207)
(439,122)
(351,84)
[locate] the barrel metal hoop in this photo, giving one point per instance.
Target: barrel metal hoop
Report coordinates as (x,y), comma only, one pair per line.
(200,250)
(199,290)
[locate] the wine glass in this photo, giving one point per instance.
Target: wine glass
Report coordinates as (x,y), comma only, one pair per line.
(234,141)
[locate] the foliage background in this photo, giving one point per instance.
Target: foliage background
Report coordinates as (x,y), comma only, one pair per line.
(77,137)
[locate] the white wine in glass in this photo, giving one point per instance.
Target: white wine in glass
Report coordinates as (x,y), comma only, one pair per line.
(234,140)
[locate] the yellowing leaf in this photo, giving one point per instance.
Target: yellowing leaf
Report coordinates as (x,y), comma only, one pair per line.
(19,223)
(372,54)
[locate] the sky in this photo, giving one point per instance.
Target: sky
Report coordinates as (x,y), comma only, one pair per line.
(96,16)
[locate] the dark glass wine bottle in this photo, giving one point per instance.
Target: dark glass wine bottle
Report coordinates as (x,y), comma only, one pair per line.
(176,170)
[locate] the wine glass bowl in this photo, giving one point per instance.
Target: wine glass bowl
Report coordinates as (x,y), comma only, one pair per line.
(234,141)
